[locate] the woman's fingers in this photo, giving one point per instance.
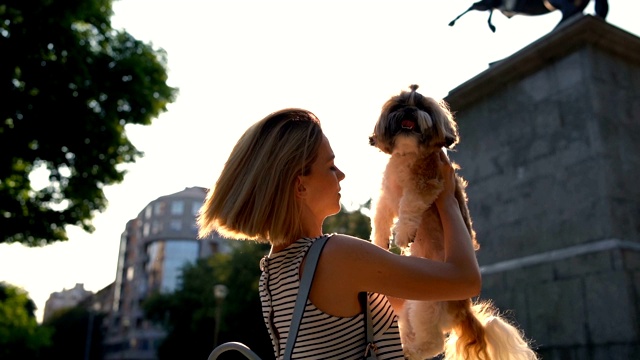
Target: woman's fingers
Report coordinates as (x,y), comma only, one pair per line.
(443,156)
(447,171)
(445,163)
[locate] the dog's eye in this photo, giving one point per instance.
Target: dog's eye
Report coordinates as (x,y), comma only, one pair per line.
(396,108)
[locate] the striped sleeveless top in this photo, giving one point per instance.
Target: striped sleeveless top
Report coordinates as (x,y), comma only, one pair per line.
(321,336)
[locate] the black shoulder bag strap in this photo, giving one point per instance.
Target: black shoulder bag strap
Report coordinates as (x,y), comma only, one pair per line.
(370,351)
(303,293)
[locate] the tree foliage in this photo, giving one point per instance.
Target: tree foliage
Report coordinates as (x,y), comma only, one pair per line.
(71,329)
(20,335)
(354,223)
(69,84)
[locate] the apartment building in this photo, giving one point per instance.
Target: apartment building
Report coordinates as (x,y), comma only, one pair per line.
(65,299)
(153,248)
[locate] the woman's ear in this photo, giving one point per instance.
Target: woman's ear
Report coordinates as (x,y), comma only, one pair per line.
(301,191)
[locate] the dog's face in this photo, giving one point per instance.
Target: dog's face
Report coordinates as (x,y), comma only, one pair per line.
(412,120)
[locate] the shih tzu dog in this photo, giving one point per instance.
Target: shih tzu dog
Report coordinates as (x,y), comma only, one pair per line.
(413,129)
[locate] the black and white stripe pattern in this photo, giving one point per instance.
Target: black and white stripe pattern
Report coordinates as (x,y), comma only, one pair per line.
(321,336)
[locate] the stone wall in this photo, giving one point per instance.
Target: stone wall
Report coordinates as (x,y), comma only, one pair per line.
(550,146)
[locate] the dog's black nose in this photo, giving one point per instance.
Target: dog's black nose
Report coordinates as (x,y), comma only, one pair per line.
(410,112)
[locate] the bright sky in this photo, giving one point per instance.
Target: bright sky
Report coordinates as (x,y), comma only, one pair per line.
(235,61)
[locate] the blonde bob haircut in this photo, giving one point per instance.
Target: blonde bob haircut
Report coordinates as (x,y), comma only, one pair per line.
(254,197)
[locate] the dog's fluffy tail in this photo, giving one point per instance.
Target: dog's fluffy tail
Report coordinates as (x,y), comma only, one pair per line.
(503,340)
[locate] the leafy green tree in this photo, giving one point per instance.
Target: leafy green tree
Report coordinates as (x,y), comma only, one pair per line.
(71,328)
(20,335)
(69,84)
(242,310)
(189,314)
(354,223)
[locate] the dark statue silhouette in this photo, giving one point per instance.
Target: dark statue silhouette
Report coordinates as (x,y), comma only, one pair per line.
(535,7)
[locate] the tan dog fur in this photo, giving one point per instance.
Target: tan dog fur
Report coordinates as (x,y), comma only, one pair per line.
(412,129)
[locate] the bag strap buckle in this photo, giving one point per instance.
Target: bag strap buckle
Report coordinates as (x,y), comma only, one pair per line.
(371,347)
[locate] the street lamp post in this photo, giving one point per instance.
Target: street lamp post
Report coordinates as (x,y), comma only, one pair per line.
(93,309)
(220,292)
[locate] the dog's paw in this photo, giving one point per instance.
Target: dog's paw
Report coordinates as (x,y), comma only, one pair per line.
(381,242)
(403,236)
(402,241)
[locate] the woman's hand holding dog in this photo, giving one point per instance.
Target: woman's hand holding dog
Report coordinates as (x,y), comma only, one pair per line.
(448,177)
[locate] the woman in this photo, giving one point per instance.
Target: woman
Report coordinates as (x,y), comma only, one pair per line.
(278,185)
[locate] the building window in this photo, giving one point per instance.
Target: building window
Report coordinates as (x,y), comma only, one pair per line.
(158,208)
(147,212)
(155,258)
(130,273)
(145,229)
(177,207)
(214,247)
(175,225)
(156,227)
(195,207)
(166,259)
(182,252)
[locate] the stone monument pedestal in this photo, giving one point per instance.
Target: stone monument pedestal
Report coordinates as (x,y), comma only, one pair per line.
(550,146)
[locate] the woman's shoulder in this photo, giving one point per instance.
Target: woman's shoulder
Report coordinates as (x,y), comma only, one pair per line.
(349,246)
(345,237)
(349,240)
(339,246)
